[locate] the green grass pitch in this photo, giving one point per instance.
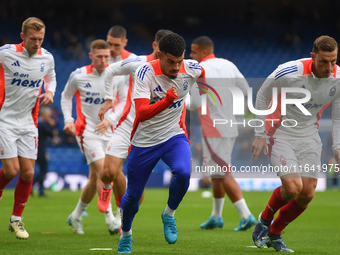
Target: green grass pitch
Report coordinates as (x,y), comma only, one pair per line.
(316,231)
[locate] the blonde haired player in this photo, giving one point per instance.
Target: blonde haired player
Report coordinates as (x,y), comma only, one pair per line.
(24,69)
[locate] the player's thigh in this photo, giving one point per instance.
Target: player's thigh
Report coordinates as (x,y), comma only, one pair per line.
(92,148)
(141,162)
(113,164)
(176,153)
(309,157)
(28,143)
(119,144)
(217,155)
(283,157)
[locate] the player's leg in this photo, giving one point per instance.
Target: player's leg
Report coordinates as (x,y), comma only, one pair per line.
(27,146)
(111,171)
(234,192)
(141,162)
(21,194)
(116,153)
(9,157)
(215,220)
(177,157)
(10,168)
(285,162)
(87,194)
(294,208)
(309,155)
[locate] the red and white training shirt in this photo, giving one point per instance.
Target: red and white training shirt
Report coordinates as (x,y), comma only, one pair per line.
(152,84)
(88,86)
(298,74)
(220,74)
(21,79)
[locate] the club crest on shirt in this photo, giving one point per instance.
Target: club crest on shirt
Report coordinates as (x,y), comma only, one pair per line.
(332,91)
(283,160)
(185,85)
(42,67)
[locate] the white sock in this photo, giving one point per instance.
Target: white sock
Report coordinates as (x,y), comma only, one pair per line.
(107,186)
(126,233)
(15,218)
(169,211)
(109,215)
(242,208)
(78,211)
(217,207)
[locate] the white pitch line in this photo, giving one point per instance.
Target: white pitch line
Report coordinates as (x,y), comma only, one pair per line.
(255,247)
(101,249)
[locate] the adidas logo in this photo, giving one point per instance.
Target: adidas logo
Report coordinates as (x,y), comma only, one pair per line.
(16,63)
(158,88)
(88,85)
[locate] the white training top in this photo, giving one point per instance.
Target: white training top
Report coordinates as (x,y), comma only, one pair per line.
(88,86)
(152,84)
(21,79)
(298,74)
(220,74)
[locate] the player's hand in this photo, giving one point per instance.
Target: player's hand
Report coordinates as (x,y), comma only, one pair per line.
(69,128)
(337,156)
(105,107)
(102,127)
(0,64)
(47,98)
(258,145)
(174,90)
(171,94)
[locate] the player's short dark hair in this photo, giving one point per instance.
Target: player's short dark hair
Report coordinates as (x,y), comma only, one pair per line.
(204,42)
(324,43)
(100,45)
(117,32)
(160,33)
(173,44)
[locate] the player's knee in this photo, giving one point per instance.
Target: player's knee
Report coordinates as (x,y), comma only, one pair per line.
(10,172)
(183,174)
(133,197)
(291,190)
(27,175)
(106,175)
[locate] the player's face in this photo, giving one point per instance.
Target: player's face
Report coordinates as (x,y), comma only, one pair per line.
(324,63)
(33,40)
(196,53)
(100,59)
(117,45)
(170,64)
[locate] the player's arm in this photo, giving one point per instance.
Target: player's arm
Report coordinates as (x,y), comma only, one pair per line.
(145,111)
(336,129)
(126,67)
(142,95)
(66,103)
(262,98)
(50,86)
